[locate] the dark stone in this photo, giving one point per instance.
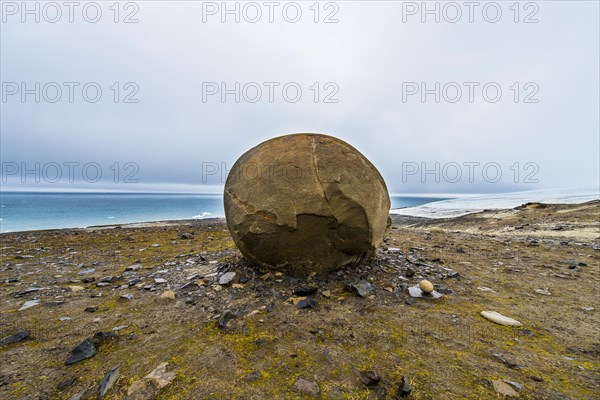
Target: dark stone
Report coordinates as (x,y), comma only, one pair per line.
(307,303)
(225,318)
(108,381)
(409,301)
(83,350)
(27,291)
(14,338)
(502,359)
(189,286)
(55,303)
(369,378)
(307,387)
(361,289)
(409,272)
(67,383)
(133,282)
(102,337)
(305,291)
(404,389)
(88,280)
(91,309)
(243,279)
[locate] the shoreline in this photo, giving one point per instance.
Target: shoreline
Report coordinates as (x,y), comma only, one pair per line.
(142,224)
(438,208)
(396,215)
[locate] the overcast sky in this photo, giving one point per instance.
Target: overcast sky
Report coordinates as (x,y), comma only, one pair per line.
(365,63)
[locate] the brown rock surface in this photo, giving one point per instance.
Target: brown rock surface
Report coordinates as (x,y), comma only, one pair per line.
(305,202)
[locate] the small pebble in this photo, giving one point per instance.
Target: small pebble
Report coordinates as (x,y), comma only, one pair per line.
(226,278)
(404,388)
(169,294)
(370,378)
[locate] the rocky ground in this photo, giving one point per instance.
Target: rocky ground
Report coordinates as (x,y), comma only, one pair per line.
(171,310)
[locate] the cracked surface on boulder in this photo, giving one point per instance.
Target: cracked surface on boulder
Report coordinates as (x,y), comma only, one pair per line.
(305,202)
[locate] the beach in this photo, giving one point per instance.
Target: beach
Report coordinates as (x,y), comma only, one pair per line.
(152,293)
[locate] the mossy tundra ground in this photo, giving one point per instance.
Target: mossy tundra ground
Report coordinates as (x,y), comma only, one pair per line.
(537,264)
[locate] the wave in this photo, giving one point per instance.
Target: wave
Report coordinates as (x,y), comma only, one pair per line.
(202,216)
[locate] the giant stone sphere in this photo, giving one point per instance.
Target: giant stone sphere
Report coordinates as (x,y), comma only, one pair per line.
(305,203)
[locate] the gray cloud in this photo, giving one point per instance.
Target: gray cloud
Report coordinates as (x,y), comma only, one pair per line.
(368,55)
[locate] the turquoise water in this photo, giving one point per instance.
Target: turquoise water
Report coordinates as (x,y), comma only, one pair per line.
(30,211)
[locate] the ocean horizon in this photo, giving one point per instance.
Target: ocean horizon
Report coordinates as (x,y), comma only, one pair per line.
(25,211)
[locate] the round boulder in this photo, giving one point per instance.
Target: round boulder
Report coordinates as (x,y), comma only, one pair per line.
(305,203)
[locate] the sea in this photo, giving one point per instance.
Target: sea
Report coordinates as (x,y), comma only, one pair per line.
(24,211)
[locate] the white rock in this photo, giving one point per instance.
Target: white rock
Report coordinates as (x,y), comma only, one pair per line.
(29,304)
(226,278)
(499,318)
(415,291)
(504,389)
(160,376)
(118,328)
(160,280)
(169,294)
